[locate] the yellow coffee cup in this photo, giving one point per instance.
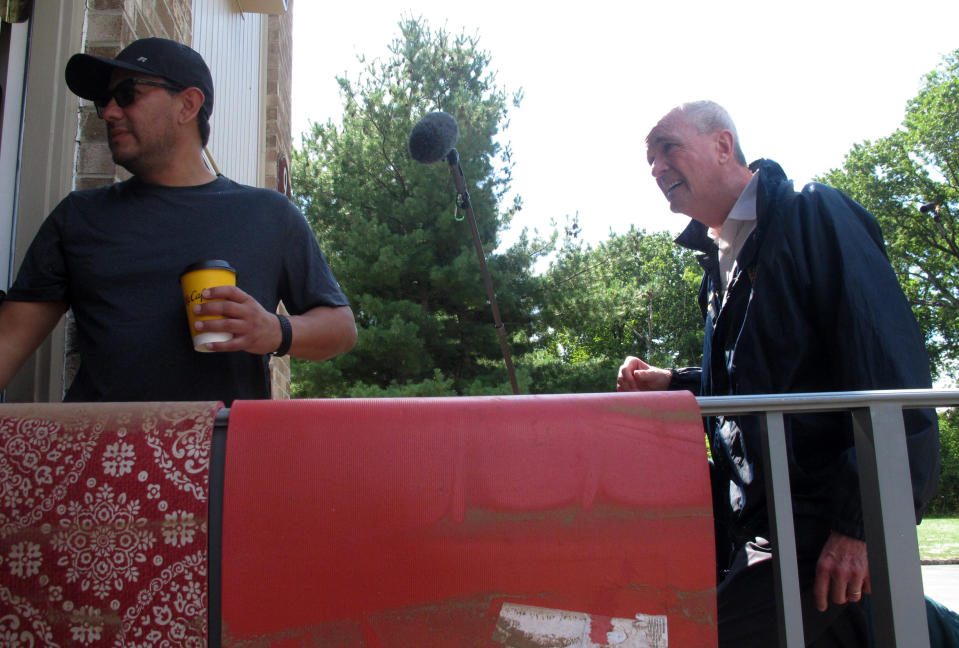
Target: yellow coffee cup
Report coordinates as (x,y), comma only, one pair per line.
(194,280)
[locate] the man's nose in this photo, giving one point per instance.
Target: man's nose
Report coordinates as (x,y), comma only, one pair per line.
(658,167)
(111,112)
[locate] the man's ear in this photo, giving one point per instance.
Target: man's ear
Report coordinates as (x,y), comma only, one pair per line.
(725,145)
(192,100)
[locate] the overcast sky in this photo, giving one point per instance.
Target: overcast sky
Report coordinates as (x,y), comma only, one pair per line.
(803,81)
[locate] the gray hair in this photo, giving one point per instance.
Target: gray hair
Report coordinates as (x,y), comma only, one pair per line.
(709,117)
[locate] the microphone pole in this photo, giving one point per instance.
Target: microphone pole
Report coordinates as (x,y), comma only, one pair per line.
(464,201)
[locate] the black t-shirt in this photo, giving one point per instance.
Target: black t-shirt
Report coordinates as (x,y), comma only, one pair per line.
(114,255)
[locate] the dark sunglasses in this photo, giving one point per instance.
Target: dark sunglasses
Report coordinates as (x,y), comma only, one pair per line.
(124,93)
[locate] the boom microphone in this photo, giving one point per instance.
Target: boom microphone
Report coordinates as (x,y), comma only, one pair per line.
(433,137)
(431,140)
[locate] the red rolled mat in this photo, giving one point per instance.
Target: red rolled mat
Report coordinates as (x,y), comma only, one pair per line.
(580,521)
(103,524)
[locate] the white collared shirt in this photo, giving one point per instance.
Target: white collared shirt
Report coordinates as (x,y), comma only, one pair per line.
(739,224)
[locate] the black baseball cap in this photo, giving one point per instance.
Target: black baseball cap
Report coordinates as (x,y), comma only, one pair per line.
(88,76)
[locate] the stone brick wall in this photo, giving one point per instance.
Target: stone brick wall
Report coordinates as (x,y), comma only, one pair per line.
(280,374)
(278,142)
(279,87)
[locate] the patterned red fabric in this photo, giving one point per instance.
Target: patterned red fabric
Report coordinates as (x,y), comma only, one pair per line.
(103,524)
(497,521)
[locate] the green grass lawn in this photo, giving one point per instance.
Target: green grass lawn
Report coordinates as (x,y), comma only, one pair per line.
(939,539)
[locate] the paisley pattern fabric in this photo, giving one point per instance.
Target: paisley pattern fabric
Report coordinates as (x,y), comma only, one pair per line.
(103,524)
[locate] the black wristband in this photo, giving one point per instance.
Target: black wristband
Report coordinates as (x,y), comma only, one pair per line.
(286,335)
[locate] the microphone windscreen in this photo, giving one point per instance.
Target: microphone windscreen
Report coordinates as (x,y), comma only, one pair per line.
(433,137)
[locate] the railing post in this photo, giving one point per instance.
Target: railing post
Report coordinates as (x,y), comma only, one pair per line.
(780,510)
(899,613)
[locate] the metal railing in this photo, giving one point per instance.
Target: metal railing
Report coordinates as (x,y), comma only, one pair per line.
(888,513)
(886,488)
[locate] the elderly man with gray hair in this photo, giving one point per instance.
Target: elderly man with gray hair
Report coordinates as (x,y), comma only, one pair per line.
(797,296)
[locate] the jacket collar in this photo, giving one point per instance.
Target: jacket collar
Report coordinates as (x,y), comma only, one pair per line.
(696,237)
(771,176)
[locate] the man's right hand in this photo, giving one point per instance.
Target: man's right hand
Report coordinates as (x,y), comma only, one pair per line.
(636,375)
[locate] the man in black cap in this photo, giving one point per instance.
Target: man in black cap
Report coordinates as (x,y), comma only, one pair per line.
(114,254)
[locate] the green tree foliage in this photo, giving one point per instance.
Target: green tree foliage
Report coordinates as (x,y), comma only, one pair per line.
(634,294)
(893,177)
(946,501)
(389,227)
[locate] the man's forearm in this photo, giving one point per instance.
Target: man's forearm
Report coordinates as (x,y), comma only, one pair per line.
(23,326)
(323,333)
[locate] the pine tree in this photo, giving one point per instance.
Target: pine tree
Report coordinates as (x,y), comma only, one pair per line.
(391,232)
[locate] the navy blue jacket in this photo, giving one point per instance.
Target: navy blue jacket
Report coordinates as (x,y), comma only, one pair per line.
(814,306)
